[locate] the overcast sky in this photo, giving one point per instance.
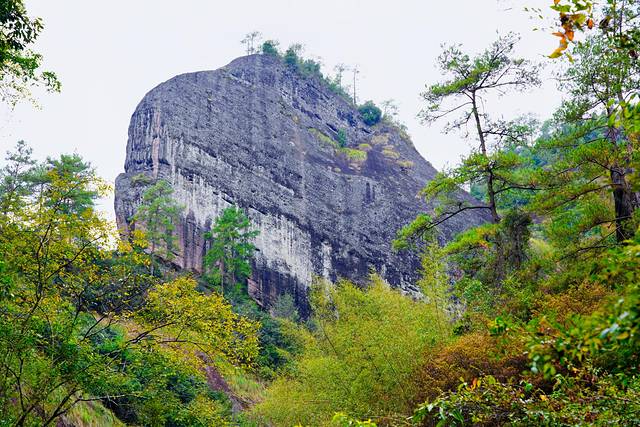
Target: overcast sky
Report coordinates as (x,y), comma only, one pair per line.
(109,54)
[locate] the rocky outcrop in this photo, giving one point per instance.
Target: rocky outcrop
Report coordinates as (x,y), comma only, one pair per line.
(326,191)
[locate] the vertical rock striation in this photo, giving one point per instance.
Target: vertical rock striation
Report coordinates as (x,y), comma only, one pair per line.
(259,135)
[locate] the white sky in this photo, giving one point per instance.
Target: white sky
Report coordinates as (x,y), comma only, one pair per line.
(109,54)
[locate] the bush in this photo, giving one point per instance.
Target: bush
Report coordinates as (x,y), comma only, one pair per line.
(370,113)
(270,47)
(470,356)
(581,349)
(341,137)
(309,67)
(291,57)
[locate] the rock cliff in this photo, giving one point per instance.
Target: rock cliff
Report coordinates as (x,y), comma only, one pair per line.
(326,191)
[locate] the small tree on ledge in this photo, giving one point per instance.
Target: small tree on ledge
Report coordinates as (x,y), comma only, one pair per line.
(229,257)
(158,214)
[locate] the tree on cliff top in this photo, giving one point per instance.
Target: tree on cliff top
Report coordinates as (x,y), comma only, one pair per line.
(251,41)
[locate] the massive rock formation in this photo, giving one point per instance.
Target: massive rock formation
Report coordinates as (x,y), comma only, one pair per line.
(258,134)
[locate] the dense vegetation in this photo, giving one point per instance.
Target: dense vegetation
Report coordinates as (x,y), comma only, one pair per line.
(530,319)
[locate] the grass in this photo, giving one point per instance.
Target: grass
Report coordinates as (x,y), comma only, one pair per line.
(92,414)
(354,154)
(390,154)
(324,138)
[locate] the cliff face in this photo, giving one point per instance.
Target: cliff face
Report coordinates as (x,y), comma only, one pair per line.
(257,134)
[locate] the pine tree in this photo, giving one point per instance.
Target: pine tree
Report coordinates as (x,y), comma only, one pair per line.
(158,215)
(229,256)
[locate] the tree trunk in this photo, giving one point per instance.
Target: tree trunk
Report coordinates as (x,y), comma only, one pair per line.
(153,261)
(625,203)
(625,199)
(222,277)
(483,147)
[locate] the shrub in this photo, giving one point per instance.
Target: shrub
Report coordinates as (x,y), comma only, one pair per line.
(335,85)
(285,308)
(470,356)
(370,113)
(322,137)
(354,155)
(270,47)
(309,67)
(341,137)
(291,57)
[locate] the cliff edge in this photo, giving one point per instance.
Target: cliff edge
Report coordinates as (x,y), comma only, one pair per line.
(327,192)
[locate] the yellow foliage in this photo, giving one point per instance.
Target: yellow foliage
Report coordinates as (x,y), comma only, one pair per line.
(202,323)
(468,357)
(360,358)
(583,299)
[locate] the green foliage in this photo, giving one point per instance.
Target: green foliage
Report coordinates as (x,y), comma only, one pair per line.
(530,319)
(496,168)
(341,138)
(205,321)
(285,308)
(589,190)
(155,388)
(357,155)
(341,419)
(463,96)
(310,67)
(354,154)
(228,259)
(157,215)
(370,113)
(359,357)
(489,255)
(414,233)
(270,47)
(20,66)
(83,321)
(324,138)
(603,340)
(292,55)
(582,349)
(276,346)
(305,66)
(335,85)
